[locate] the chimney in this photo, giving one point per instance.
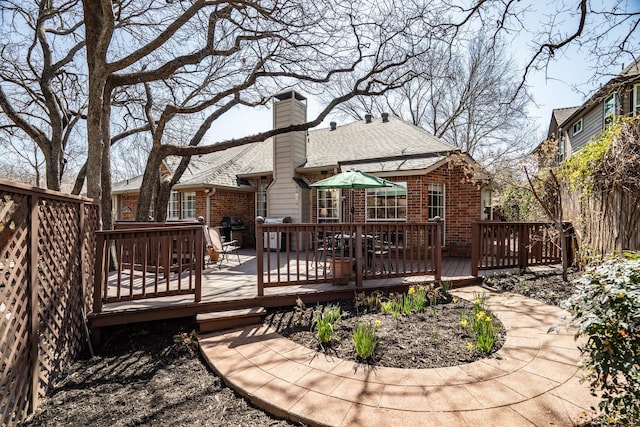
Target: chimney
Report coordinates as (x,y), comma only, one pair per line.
(367,118)
(333,125)
(289,152)
(385,117)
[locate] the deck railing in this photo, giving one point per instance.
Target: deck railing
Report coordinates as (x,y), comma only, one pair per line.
(498,244)
(300,254)
(143,260)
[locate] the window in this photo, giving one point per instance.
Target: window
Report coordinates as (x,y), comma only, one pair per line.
(436,199)
(188,205)
(387,204)
(328,206)
(636,100)
(609,109)
(561,142)
(577,127)
(261,200)
(173,210)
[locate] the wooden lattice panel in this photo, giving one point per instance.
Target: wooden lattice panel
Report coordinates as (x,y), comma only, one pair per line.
(60,288)
(15,358)
(47,250)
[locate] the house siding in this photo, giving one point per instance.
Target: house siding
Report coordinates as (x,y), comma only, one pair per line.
(289,151)
(592,125)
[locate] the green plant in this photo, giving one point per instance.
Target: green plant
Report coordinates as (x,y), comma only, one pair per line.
(323,321)
(393,306)
(364,339)
(606,310)
(480,324)
(435,338)
(445,288)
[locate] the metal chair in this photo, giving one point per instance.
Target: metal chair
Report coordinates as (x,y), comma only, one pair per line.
(217,245)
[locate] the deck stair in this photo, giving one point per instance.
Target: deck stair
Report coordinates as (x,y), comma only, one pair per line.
(220,320)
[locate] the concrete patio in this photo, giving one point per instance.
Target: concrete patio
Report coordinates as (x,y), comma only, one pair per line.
(533,380)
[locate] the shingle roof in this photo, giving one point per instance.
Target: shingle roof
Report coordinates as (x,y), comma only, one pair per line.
(375,140)
(562,114)
(375,147)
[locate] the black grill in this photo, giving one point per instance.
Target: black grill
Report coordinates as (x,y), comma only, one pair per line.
(232,224)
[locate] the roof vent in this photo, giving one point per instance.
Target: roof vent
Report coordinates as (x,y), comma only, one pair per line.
(333,125)
(385,117)
(367,118)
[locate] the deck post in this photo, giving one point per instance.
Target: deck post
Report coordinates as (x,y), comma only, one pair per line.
(437,254)
(523,243)
(199,254)
(475,248)
(359,265)
(98,273)
(260,257)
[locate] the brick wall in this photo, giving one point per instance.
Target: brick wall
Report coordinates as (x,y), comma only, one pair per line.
(462,198)
(462,205)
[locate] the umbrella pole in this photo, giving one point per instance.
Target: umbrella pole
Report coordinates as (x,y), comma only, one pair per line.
(351,207)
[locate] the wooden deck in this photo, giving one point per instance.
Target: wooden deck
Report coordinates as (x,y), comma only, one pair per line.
(235,286)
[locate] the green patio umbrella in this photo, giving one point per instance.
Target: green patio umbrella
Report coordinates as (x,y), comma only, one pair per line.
(353,179)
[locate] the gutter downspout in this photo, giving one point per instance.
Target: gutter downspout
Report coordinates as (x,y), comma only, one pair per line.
(209,192)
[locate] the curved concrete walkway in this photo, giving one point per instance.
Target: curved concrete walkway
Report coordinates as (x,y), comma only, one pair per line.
(533,380)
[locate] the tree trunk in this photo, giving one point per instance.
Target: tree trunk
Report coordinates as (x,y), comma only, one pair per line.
(106,204)
(149,185)
(98,30)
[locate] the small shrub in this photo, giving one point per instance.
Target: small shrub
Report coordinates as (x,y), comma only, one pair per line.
(323,321)
(364,340)
(606,310)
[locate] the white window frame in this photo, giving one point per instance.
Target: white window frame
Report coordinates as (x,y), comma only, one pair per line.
(611,113)
(188,206)
(436,189)
(636,100)
(173,206)
(381,207)
(578,125)
(261,200)
(329,207)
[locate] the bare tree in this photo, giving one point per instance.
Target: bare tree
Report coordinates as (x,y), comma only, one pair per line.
(467,95)
(40,95)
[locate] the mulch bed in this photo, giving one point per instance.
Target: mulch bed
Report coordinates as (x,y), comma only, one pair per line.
(431,339)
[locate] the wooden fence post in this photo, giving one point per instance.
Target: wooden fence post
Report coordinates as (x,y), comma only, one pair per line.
(34,309)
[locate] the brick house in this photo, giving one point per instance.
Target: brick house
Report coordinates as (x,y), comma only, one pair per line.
(271,178)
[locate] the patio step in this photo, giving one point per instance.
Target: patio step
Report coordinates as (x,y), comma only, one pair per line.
(220,320)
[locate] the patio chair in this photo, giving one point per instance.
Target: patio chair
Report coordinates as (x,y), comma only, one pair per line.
(217,247)
(323,248)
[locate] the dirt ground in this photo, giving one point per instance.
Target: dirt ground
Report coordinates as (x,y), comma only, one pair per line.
(141,377)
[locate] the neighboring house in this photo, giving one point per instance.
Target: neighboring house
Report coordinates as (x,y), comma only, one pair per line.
(573,127)
(271,178)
